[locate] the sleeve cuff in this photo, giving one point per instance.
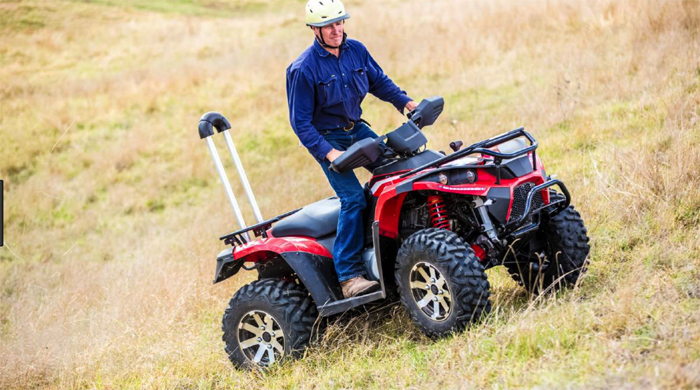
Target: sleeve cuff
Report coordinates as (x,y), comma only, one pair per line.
(401,101)
(323,149)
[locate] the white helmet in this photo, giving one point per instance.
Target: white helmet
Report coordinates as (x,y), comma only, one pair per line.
(321,13)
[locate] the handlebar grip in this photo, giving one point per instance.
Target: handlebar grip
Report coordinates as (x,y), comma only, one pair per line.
(349,161)
(359,154)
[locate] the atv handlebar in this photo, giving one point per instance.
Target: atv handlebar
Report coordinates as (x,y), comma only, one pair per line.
(403,141)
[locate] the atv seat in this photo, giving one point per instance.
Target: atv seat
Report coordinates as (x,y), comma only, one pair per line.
(315,220)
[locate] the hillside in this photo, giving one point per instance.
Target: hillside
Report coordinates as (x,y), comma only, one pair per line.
(113,208)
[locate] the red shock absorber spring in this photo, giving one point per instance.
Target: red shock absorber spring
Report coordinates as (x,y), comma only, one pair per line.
(438,212)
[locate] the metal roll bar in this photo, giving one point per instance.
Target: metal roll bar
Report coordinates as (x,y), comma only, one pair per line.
(207,124)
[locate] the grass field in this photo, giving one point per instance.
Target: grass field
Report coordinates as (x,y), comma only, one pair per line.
(113,208)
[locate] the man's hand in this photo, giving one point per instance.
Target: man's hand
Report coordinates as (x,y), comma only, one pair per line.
(410,106)
(333,154)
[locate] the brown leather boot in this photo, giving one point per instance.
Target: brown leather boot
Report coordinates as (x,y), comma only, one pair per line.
(358,286)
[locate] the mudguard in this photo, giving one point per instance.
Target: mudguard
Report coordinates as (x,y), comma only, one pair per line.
(284,256)
(317,273)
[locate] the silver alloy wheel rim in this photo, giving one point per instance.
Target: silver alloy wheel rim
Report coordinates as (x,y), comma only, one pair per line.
(261,338)
(430,291)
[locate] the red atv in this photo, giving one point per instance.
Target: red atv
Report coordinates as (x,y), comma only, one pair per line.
(434,224)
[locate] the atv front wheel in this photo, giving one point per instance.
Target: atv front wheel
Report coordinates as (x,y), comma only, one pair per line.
(267,320)
(441,282)
(564,259)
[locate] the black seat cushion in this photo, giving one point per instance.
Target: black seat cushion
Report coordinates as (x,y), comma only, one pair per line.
(315,220)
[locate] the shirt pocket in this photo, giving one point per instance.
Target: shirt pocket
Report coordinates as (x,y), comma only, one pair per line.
(329,92)
(359,77)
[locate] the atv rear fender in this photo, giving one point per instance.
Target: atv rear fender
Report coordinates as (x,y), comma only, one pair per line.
(284,257)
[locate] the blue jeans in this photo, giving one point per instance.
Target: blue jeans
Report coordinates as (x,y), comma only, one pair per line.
(350,235)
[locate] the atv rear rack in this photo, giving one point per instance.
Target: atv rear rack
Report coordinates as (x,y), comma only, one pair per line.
(260,230)
(482,147)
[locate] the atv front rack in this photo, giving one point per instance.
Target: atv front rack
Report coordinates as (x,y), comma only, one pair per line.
(483,148)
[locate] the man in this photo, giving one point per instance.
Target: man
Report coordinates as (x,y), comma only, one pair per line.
(325,87)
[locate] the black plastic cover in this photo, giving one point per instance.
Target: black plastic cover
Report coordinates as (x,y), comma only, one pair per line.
(513,168)
(226,266)
(361,153)
(428,111)
(520,166)
(406,139)
(408,163)
(212,120)
(500,196)
(318,275)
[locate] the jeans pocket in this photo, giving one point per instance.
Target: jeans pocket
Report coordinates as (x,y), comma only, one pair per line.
(339,140)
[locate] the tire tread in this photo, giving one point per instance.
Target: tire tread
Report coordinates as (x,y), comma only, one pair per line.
(465,275)
(297,308)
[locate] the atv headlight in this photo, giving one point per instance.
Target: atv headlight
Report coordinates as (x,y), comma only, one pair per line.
(462,176)
(470,177)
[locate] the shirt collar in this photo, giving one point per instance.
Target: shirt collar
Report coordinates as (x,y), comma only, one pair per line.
(323,52)
(319,49)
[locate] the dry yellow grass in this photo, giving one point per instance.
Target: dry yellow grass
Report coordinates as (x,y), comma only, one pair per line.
(113,209)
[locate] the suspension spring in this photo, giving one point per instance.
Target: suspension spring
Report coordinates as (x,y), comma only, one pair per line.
(438,212)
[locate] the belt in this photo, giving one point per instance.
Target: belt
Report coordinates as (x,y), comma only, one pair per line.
(347,128)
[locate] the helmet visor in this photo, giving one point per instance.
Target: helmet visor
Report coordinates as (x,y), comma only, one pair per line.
(329,21)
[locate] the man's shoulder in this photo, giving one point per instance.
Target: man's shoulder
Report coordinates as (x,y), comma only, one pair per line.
(303,61)
(354,44)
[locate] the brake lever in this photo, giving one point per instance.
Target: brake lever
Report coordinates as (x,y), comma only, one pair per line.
(389,153)
(386,150)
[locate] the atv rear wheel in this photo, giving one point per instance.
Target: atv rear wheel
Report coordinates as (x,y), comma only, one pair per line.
(441,282)
(564,259)
(266,321)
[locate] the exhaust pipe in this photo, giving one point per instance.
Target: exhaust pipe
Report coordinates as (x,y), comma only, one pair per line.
(214,120)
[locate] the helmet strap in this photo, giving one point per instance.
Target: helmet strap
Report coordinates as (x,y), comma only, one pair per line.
(322,42)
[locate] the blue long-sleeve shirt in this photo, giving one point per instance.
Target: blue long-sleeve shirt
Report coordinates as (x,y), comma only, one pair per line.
(325,92)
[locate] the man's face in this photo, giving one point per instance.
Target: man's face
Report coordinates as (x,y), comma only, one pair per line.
(332,34)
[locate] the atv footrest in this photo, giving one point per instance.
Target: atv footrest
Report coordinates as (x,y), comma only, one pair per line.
(342,305)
